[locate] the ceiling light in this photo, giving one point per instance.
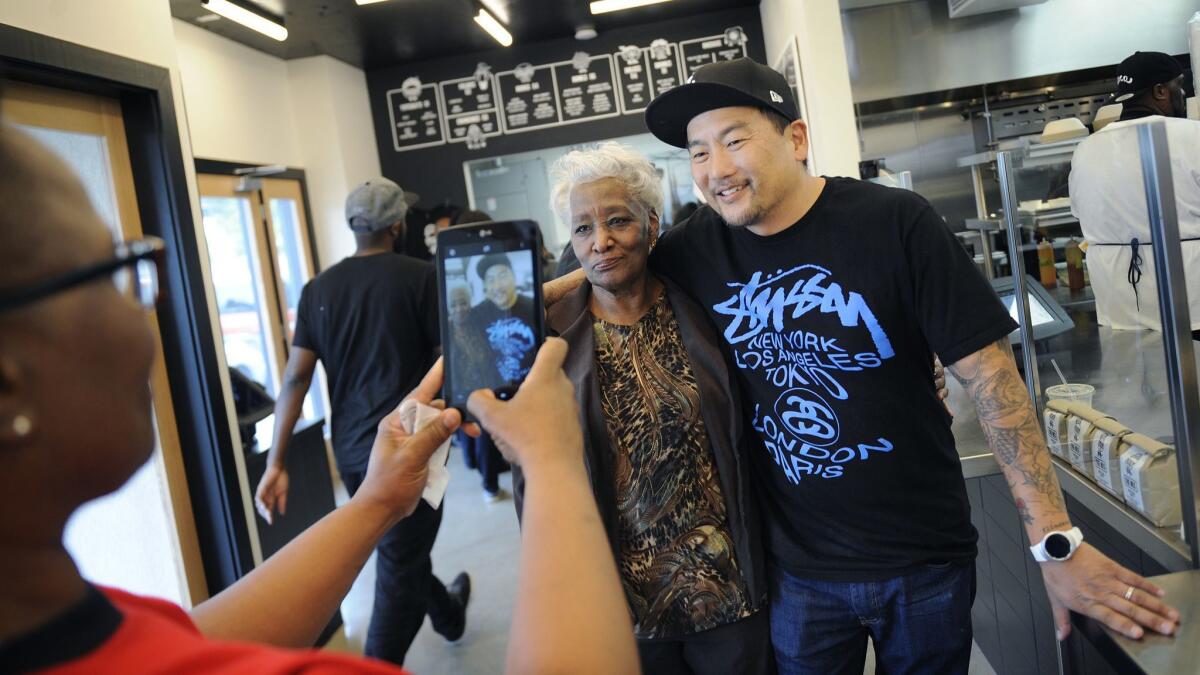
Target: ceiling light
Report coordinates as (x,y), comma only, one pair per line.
(586,32)
(603,6)
(494,27)
(498,10)
(369,2)
(249,19)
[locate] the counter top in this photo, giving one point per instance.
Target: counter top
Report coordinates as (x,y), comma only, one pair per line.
(1154,653)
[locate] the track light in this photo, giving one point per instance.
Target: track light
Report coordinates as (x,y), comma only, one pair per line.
(604,6)
(247,18)
(494,27)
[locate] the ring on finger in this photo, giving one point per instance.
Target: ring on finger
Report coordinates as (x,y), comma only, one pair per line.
(1129,593)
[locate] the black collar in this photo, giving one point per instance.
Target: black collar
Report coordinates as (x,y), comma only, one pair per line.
(69,636)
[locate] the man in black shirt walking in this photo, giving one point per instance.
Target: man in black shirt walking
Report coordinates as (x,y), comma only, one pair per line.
(831,296)
(371,320)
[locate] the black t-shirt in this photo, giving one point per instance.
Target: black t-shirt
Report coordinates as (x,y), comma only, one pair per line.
(373,323)
(831,326)
(510,337)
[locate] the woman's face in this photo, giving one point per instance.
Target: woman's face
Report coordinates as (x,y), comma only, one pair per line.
(78,361)
(609,234)
(460,304)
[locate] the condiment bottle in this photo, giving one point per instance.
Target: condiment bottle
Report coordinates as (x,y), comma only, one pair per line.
(1074,265)
(1045,253)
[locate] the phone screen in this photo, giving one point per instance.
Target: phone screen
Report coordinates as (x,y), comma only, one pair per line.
(492,312)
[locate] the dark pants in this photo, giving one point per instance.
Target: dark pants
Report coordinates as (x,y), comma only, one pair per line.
(918,623)
(743,647)
(481,453)
(405,588)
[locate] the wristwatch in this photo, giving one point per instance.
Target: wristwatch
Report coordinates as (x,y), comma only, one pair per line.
(1057,546)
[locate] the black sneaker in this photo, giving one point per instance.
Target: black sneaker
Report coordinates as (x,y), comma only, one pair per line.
(460,591)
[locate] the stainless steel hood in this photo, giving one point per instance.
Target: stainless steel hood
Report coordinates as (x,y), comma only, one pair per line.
(961,8)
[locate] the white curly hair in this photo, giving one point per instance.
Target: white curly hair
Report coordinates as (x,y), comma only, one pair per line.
(606,160)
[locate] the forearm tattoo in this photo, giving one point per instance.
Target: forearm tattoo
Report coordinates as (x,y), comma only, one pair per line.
(1010,424)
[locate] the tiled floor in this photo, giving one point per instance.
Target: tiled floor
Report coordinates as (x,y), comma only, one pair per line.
(482,539)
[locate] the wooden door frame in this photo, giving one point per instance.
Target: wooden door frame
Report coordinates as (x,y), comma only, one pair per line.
(100,116)
(164,203)
(221,167)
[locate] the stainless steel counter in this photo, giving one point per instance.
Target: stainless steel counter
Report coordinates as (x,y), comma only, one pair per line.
(1155,654)
(1128,370)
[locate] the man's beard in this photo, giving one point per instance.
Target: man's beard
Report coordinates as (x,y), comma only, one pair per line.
(751,215)
(1179,104)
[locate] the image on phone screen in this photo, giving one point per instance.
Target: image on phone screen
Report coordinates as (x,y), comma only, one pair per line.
(491,322)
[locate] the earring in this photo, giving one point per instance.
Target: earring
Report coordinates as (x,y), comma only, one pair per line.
(22,425)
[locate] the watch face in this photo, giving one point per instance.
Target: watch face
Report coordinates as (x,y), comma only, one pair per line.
(1058,546)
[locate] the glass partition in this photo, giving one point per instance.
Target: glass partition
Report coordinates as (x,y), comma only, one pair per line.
(1109,391)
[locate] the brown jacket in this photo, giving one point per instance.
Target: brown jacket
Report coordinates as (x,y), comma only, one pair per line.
(730,437)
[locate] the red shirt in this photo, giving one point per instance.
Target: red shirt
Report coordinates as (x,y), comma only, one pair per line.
(116,632)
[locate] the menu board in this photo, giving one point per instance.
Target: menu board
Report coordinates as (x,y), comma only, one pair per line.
(528,98)
(586,88)
(633,79)
(416,114)
(703,51)
(472,109)
(662,62)
(471,112)
(469,95)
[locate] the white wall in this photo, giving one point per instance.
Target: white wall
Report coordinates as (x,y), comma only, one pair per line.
(312,114)
(914,47)
(817,24)
(337,143)
(238,100)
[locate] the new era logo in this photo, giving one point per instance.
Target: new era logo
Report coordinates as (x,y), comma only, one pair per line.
(776,97)
(1124,79)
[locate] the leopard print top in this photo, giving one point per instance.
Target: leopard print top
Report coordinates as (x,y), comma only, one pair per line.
(677,564)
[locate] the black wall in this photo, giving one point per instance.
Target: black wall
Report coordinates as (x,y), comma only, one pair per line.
(436,173)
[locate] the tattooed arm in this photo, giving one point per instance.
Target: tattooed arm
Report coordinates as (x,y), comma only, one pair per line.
(1088,583)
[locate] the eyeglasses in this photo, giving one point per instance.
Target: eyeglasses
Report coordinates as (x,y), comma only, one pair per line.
(136,267)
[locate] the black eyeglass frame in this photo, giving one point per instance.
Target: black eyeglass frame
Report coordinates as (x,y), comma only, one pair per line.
(127,253)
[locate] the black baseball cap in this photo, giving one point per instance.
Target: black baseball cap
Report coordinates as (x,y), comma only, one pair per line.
(725,84)
(1144,70)
(489,261)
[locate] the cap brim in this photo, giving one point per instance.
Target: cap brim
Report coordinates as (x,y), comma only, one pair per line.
(667,116)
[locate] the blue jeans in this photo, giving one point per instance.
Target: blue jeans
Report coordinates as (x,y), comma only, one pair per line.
(918,623)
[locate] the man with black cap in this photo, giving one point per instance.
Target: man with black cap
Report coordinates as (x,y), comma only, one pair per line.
(832,295)
(1109,198)
(1150,83)
(372,321)
(502,319)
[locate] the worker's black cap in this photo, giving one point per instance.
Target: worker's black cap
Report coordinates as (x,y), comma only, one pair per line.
(1144,70)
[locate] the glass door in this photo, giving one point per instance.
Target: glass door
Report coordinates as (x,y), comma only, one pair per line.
(260,255)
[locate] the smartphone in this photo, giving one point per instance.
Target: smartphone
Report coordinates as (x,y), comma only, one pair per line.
(490,301)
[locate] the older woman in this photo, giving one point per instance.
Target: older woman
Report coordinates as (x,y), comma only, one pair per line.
(663,429)
(75,424)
